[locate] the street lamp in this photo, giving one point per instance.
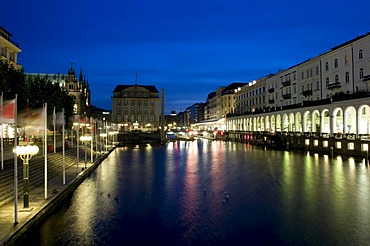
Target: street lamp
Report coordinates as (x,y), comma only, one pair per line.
(85,139)
(26,153)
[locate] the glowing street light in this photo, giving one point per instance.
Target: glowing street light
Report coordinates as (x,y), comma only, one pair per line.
(26,153)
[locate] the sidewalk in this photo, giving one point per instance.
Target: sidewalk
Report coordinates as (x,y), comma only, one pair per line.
(56,191)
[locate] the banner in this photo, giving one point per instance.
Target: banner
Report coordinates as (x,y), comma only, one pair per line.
(8,112)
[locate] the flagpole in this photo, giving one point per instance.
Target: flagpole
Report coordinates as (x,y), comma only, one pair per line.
(2,132)
(46,153)
(92,140)
(78,144)
(55,140)
(15,164)
(64,153)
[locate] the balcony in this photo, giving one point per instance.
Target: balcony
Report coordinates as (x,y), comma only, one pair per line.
(335,85)
(271,90)
(286,83)
(287,96)
(271,101)
(307,93)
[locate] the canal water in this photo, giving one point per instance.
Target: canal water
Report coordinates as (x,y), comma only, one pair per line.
(215,193)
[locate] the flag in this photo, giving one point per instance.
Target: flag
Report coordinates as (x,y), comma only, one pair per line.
(8,112)
(35,120)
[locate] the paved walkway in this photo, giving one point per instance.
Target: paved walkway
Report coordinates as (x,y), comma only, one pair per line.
(37,202)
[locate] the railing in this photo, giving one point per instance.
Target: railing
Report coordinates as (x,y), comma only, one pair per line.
(271,90)
(307,93)
(286,83)
(334,85)
(287,96)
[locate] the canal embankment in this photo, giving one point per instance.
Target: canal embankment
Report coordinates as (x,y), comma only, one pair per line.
(12,233)
(346,145)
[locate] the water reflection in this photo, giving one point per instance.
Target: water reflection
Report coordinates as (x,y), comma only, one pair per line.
(216,193)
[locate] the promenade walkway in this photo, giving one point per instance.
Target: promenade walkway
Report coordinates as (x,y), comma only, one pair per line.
(11,232)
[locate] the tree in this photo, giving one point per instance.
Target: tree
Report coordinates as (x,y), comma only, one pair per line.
(35,90)
(12,82)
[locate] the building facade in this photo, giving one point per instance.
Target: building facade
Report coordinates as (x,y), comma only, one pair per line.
(328,94)
(194,114)
(9,49)
(136,107)
(78,88)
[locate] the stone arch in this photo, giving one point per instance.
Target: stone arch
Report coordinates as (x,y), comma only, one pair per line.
(273,123)
(316,122)
(291,126)
(298,122)
(278,123)
(267,120)
(338,123)
(307,121)
(262,123)
(363,119)
(285,123)
(325,121)
(350,119)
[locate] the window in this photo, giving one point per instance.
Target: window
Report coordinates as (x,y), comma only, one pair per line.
(347,77)
(361,73)
(346,59)
(327,82)
(336,63)
(317,85)
(336,78)
(317,70)
(326,66)
(360,54)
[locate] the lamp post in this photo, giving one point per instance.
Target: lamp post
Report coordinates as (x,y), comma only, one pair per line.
(26,153)
(85,139)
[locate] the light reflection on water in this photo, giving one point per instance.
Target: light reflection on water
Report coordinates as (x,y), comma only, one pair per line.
(216,193)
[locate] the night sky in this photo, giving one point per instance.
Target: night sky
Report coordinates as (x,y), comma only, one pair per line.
(189,48)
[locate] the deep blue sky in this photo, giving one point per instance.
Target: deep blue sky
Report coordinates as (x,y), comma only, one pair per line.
(189,48)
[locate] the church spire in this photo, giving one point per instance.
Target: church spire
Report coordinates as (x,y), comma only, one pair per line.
(81,76)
